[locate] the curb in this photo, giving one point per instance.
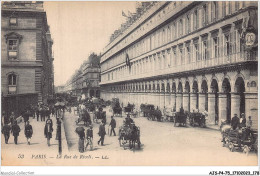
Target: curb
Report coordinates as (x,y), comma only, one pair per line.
(64,144)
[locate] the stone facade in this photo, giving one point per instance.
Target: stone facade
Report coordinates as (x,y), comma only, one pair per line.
(27,61)
(187,54)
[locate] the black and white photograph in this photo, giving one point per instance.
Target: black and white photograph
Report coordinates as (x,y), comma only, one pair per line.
(129,83)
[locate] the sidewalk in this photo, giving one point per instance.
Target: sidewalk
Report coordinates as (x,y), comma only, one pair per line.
(38,140)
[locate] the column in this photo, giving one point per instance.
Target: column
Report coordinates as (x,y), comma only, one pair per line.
(235,104)
(211,108)
(179,100)
(222,107)
(193,101)
(186,101)
(251,107)
(173,102)
(202,102)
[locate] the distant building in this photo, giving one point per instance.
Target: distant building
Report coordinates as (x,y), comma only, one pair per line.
(195,55)
(27,61)
(86,79)
(59,89)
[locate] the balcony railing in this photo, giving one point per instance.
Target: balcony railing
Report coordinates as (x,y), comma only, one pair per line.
(202,64)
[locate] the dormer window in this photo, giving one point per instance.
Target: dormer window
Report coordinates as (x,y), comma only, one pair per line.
(13,40)
(13,21)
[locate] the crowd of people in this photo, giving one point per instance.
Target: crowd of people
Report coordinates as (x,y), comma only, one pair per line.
(42,112)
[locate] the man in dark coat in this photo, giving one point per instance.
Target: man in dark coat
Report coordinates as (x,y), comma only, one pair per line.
(37,112)
(128,120)
(113,126)
(28,131)
(6,132)
(42,113)
(102,133)
(234,122)
(26,116)
(15,130)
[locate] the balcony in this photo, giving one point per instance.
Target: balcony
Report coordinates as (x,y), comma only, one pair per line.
(12,89)
(192,66)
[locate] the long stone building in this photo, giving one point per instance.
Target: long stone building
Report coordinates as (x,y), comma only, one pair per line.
(26,57)
(86,79)
(195,55)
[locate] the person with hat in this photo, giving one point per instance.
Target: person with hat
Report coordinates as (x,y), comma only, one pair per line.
(89,137)
(6,132)
(28,131)
(242,120)
(249,122)
(113,126)
(234,122)
(15,130)
(102,133)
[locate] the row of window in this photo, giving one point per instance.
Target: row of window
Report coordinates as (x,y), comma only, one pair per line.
(186,24)
(202,48)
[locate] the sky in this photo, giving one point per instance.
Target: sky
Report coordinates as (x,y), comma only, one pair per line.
(79,28)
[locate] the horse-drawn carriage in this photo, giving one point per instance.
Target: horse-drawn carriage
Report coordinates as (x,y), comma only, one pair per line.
(146,108)
(169,114)
(85,117)
(244,139)
(197,118)
(129,109)
(100,115)
(155,114)
(117,110)
(180,118)
(129,134)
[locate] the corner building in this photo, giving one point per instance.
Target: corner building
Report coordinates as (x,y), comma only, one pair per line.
(195,55)
(26,57)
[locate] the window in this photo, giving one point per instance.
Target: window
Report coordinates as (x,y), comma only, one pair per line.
(196,50)
(195,20)
(188,24)
(182,56)
(205,50)
(12,81)
(13,21)
(205,15)
(180,28)
(215,47)
(227,45)
(214,11)
(12,48)
(223,8)
(188,53)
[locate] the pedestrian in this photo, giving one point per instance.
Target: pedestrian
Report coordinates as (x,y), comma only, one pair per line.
(48,129)
(26,116)
(6,132)
(242,120)
(42,113)
(28,131)
(37,112)
(15,130)
(89,137)
(4,119)
(234,122)
(102,133)
(12,118)
(113,126)
(249,122)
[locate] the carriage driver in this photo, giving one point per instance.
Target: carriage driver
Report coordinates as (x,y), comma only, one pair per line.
(128,120)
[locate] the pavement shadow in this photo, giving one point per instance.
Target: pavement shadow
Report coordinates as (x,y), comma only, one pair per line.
(34,143)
